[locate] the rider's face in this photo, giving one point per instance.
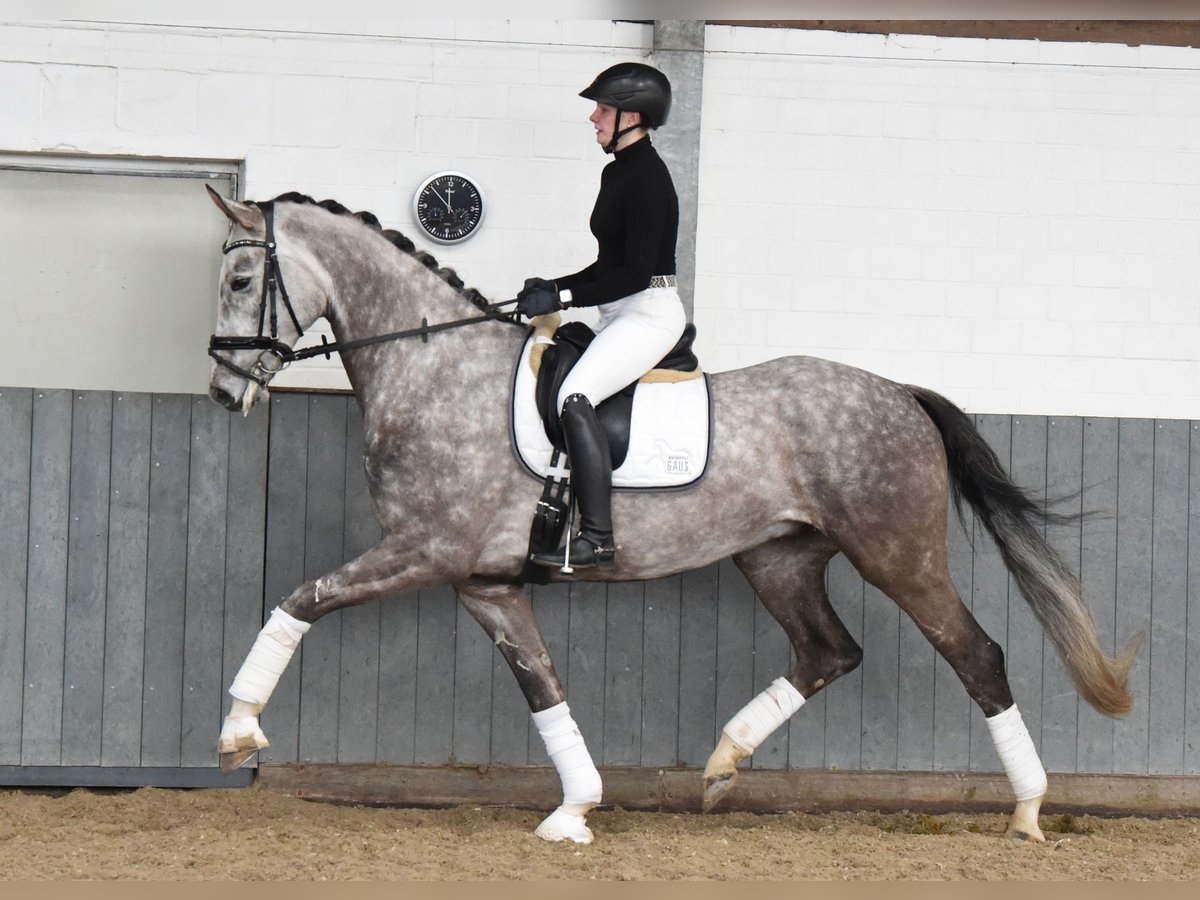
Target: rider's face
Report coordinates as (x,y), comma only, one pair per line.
(604,120)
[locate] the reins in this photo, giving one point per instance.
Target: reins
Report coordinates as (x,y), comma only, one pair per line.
(282,353)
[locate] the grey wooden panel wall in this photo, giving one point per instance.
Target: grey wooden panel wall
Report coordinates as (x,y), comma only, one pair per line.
(141,542)
(653,670)
(131,560)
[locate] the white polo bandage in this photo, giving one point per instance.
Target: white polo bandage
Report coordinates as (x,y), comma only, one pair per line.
(764,714)
(565,744)
(1015,749)
(269,656)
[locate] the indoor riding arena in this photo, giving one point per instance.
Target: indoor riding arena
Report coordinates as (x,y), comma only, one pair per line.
(1004,213)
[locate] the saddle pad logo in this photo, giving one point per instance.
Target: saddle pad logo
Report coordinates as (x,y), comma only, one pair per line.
(668,440)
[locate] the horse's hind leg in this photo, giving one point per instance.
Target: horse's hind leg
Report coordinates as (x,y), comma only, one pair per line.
(923,589)
(789,577)
(506,615)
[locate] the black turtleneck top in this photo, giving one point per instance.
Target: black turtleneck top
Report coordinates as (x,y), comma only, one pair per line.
(635,221)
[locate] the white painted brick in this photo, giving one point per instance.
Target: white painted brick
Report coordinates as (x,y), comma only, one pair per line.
(380,115)
(236,107)
(1047,268)
(157,103)
(309,111)
(481,101)
(589,33)
(964,229)
(310,167)
(247,53)
(505,139)
(20,104)
(77,100)
(367,167)
(944,263)
(1051,198)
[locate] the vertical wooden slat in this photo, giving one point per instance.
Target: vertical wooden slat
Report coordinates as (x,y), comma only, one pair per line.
(49,516)
(1098,573)
(1191,723)
(586,662)
(1135,532)
(87,576)
(244,550)
(735,642)
(358,701)
(989,602)
(698,726)
(324,525)
(772,659)
(1060,700)
(208,492)
(623,674)
(552,607)
(844,697)
(951,705)
(16,434)
(166,579)
(880,690)
(474,658)
(397,713)
(916,698)
(287,480)
(125,622)
(1167,650)
(436,633)
(1023,651)
(660,668)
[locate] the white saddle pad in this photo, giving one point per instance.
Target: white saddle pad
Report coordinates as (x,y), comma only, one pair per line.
(669,438)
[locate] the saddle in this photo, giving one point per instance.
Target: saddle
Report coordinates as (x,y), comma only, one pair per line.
(557,360)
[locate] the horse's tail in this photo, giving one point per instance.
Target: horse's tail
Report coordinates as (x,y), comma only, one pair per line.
(1014,521)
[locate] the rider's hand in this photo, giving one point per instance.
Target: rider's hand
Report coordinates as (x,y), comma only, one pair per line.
(532,283)
(538,301)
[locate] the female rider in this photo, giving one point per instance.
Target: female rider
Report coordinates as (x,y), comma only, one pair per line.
(632,281)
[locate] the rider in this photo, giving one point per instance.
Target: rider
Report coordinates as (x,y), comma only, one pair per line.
(632,281)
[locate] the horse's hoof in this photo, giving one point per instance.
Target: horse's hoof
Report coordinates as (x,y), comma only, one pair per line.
(231,762)
(716,787)
(562,826)
(1018,836)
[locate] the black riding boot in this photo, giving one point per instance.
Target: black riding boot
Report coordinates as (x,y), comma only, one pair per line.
(591,482)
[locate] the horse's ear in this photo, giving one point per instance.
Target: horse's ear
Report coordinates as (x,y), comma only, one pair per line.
(242,214)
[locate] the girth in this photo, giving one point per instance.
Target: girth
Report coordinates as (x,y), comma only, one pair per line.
(557,360)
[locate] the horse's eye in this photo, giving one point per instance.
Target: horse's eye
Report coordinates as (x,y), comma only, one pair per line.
(239,284)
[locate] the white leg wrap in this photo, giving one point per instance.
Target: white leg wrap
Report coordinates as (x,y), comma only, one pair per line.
(580,780)
(764,714)
(1017,755)
(269,656)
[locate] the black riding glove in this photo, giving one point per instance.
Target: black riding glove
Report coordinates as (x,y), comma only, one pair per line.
(531,283)
(538,301)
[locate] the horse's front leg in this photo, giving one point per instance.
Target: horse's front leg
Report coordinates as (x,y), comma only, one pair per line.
(387,568)
(506,615)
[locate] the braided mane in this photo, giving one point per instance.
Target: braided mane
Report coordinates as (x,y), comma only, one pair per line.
(447,274)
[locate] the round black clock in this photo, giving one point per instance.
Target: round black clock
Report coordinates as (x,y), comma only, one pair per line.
(449,207)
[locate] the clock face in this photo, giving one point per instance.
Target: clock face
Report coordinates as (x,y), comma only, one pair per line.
(449,207)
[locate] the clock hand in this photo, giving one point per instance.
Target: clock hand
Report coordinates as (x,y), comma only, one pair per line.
(440,197)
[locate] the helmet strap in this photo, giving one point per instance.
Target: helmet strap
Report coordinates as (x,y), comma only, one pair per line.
(619,132)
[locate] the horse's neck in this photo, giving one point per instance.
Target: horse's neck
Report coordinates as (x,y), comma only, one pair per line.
(426,380)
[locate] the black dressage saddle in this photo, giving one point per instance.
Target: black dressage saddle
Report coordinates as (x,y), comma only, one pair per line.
(570,340)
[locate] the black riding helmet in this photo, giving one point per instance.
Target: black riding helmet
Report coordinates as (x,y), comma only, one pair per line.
(632,87)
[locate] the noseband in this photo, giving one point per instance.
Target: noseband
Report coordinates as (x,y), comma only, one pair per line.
(281,353)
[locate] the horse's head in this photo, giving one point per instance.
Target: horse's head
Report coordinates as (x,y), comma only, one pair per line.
(270,291)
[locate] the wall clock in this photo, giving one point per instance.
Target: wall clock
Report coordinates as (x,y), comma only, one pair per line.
(449,207)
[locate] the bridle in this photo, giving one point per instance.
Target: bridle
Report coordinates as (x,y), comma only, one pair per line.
(273,288)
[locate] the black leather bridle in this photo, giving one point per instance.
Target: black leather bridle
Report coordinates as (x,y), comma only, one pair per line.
(273,288)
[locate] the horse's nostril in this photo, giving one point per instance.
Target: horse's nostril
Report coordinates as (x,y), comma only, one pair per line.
(223,397)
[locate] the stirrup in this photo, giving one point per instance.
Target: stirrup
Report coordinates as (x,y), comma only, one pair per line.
(583,555)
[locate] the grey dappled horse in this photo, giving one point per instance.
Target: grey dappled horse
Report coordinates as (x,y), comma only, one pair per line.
(810,458)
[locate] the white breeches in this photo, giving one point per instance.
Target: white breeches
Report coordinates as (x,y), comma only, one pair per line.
(633,335)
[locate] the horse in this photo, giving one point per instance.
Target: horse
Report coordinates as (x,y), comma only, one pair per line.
(810,458)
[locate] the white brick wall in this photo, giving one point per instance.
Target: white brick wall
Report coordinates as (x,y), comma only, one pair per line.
(1013,223)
